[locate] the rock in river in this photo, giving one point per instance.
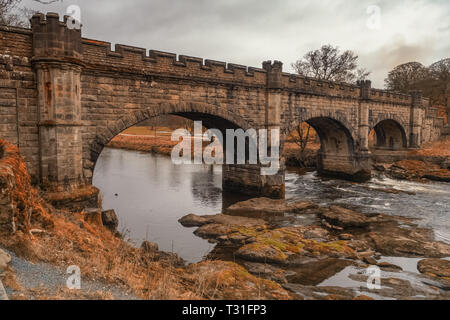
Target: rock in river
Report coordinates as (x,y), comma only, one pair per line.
(345,218)
(269,206)
(435,267)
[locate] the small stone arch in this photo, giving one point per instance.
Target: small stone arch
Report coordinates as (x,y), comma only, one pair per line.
(390,135)
(338,155)
(328,128)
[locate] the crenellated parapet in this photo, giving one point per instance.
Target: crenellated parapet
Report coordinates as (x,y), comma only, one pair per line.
(98,55)
(53,40)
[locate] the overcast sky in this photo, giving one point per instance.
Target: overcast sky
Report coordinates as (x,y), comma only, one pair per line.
(250,31)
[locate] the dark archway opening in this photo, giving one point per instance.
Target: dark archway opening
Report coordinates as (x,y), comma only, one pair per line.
(388,135)
(318,136)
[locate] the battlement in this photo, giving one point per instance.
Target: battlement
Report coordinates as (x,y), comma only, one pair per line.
(301,84)
(153,62)
(52,38)
(390,96)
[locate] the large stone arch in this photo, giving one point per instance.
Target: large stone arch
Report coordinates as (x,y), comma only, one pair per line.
(211,115)
(390,134)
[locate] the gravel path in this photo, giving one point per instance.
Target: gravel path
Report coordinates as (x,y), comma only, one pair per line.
(52,279)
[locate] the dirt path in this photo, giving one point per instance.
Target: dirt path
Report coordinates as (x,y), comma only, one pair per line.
(44,280)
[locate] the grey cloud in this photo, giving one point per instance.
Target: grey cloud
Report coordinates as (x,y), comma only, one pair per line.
(250,31)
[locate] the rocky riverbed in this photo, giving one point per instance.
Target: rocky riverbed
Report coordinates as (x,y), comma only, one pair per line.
(319,252)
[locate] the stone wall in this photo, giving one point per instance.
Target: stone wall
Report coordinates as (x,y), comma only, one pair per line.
(18,94)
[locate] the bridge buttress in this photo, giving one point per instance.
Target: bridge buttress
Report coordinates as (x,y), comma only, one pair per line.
(247,178)
(417,114)
(57,63)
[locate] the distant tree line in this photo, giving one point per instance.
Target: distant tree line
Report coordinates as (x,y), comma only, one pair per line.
(432,80)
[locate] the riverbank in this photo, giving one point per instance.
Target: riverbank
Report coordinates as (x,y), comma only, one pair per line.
(264,249)
(37,232)
(430,163)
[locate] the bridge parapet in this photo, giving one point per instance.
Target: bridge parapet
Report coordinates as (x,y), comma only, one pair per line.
(301,84)
(391,97)
(98,55)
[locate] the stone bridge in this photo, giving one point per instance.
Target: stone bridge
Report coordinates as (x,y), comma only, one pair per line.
(64,97)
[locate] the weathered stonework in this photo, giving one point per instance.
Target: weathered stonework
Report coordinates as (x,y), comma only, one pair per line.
(64,97)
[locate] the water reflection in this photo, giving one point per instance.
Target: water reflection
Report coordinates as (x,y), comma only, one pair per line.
(153,193)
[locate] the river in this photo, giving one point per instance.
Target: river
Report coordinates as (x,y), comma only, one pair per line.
(149,194)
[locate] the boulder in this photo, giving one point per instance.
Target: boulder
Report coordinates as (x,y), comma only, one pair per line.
(192,220)
(386,266)
(436,267)
(344,218)
(110,220)
(148,246)
(5,258)
(370,260)
(404,242)
(264,253)
(213,231)
(93,216)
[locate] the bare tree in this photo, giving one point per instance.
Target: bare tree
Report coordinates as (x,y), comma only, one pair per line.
(12,14)
(329,63)
(8,15)
(439,73)
(301,136)
(406,77)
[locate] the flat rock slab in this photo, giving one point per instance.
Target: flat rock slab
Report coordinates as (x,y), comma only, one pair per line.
(270,206)
(437,267)
(193,220)
(403,242)
(345,218)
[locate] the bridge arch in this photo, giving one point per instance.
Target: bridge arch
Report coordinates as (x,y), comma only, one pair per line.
(338,154)
(212,117)
(390,134)
(335,137)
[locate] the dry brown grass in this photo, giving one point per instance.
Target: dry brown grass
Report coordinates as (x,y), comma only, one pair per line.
(440,148)
(159,144)
(67,239)
(147,131)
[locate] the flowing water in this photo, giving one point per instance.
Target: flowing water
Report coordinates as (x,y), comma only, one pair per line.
(150,194)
